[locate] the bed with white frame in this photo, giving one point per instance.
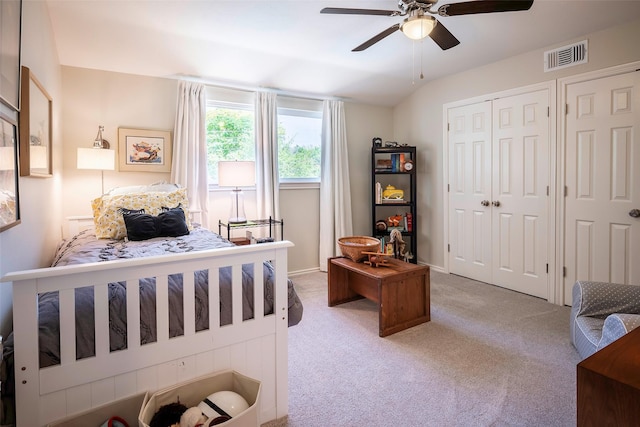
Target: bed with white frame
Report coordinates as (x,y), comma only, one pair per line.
(256,347)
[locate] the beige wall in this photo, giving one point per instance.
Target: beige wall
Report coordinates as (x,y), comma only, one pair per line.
(418,119)
(363,124)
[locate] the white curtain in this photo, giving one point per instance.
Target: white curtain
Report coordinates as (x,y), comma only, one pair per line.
(189,167)
(335,193)
(267,183)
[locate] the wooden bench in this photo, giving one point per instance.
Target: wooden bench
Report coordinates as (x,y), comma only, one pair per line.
(400,289)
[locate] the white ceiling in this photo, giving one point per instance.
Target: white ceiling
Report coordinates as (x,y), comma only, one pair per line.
(289,45)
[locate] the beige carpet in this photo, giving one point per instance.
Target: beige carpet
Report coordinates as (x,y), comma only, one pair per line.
(489,357)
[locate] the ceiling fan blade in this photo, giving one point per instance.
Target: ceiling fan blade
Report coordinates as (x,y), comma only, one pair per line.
(343,11)
(483,6)
(376,39)
(443,37)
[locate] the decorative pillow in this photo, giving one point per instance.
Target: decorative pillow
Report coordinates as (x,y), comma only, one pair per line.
(107,216)
(141,226)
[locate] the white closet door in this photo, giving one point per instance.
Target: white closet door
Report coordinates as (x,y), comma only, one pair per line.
(469,185)
(519,196)
(498,203)
(603,181)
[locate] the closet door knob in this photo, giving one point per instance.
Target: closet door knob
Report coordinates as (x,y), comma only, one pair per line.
(635,213)
(496,203)
(484,203)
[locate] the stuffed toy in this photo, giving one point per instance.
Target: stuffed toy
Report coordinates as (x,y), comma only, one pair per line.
(193,417)
(398,244)
(394,221)
(168,415)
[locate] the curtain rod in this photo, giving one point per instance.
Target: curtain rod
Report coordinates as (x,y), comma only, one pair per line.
(248,88)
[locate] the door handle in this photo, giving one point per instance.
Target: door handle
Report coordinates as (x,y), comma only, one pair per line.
(496,203)
(484,203)
(635,213)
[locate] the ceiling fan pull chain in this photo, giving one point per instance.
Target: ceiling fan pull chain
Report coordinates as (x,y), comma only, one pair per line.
(421,50)
(413,62)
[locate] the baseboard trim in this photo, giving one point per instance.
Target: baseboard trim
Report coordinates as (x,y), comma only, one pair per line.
(305,271)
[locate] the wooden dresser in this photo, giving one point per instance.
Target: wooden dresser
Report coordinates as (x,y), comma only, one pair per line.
(609,384)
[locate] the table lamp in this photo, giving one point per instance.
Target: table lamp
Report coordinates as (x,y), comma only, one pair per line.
(99,157)
(237,174)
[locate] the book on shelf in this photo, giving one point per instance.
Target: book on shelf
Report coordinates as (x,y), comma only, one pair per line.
(408,222)
(397,162)
(383,165)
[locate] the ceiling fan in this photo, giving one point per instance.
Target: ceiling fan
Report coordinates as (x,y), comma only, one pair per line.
(418,23)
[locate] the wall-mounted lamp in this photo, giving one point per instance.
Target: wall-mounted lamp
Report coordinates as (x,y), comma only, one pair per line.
(100,157)
(237,174)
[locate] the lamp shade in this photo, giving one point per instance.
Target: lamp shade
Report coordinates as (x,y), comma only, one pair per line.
(418,27)
(236,174)
(96,158)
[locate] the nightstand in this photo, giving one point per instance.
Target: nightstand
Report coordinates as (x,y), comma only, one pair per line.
(252,223)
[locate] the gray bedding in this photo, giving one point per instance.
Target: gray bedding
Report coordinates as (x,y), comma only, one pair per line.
(85,248)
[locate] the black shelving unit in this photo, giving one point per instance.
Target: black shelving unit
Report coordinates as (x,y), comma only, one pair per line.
(388,168)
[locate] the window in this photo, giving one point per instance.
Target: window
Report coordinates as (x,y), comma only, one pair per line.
(230,136)
(299,134)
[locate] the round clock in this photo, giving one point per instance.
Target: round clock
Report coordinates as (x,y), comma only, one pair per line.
(408,165)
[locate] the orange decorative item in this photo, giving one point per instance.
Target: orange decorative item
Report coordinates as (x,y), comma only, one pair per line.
(394,221)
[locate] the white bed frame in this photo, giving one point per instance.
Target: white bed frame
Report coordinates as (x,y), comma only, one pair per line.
(256,347)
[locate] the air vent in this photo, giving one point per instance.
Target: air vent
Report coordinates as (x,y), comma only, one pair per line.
(566,56)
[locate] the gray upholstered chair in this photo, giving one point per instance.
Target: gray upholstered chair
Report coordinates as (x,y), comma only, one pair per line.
(602,313)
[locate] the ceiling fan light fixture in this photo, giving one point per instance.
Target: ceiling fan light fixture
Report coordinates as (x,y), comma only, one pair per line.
(418,26)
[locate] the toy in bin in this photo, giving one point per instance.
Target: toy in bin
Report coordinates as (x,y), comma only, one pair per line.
(215,409)
(222,406)
(115,422)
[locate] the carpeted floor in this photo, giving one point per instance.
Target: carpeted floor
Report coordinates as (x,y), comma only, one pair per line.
(489,357)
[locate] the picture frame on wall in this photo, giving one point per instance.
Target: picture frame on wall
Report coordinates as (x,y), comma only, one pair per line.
(9,194)
(10,34)
(144,150)
(36,117)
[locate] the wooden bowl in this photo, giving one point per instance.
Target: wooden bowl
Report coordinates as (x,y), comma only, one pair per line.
(353,246)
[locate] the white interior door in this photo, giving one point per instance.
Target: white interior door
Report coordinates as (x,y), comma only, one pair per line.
(602,238)
(519,196)
(498,204)
(469,138)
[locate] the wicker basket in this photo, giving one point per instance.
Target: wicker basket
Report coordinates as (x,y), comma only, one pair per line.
(353,246)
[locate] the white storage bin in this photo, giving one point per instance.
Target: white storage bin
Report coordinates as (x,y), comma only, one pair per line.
(192,392)
(127,408)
